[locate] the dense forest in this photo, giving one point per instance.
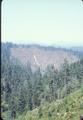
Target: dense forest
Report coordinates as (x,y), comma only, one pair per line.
(25,91)
(69,108)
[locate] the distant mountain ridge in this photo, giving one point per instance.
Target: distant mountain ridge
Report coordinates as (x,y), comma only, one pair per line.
(41,56)
(77,48)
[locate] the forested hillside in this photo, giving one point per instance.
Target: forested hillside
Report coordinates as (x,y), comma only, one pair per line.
(24,91)
(69,108)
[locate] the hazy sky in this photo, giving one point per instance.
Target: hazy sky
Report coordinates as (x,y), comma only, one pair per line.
(43,21)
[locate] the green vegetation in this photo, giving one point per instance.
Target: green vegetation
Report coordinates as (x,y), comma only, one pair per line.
(70,108)
(27,95)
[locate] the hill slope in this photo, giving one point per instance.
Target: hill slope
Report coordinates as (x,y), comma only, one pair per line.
(41,56)
(70,108)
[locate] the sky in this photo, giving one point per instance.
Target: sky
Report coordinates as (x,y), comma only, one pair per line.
(47,22)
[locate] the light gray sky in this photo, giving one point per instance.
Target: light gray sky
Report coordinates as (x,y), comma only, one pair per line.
(46,22)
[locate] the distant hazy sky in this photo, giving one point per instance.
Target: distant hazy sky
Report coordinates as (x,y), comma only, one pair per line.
(43,21)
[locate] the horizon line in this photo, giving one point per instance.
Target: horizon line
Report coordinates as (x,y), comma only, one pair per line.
(46,45)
